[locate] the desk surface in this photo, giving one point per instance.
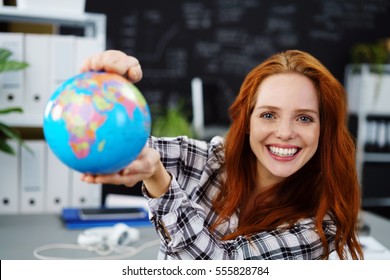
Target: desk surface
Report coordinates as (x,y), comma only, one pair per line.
(20,235)
(379,227)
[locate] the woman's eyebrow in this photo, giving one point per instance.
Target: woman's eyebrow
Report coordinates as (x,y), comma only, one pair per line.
(267,107)
(300,110)
(311,111)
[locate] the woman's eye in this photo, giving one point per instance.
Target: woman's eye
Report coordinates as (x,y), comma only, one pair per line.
(305,119)
(267,116)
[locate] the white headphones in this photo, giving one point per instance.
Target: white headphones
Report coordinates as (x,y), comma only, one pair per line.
(103,241)
(118,235)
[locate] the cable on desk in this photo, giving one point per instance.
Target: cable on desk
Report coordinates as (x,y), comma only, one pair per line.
(102,250)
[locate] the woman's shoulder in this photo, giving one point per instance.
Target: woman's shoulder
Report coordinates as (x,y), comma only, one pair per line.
(217,141)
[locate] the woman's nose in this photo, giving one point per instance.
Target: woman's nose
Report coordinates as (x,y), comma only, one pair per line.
(285,130)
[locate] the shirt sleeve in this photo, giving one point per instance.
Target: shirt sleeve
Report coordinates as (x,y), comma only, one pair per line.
(181,221)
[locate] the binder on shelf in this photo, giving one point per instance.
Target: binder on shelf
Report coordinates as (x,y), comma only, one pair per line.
(71,7)
(37,84)
(84,194)
(9,182)
(33,177)
(367,89)
(12,82)
(62,62)
(58,184)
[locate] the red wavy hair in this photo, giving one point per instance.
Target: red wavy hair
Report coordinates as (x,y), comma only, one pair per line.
(327,184)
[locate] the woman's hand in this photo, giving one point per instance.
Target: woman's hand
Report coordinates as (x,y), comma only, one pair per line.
(147,167)
(114,61)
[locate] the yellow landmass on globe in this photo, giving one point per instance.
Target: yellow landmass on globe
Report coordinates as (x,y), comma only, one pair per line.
(101,145)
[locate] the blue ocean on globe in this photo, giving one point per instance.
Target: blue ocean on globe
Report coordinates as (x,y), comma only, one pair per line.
(97,123)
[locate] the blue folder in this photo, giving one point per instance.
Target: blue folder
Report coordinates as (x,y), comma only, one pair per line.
(80,218)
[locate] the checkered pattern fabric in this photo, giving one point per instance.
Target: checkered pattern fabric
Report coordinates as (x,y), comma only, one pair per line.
(183,215)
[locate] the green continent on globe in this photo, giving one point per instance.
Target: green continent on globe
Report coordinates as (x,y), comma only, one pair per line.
(84,103)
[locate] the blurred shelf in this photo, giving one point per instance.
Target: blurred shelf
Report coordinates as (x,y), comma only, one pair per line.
(22,120)
(377,157)
(94,24)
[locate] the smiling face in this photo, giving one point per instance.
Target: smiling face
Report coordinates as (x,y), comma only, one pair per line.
(284,126)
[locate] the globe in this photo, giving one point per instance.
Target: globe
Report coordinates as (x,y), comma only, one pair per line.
(96,122)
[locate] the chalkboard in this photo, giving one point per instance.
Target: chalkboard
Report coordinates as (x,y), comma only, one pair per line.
(220,41)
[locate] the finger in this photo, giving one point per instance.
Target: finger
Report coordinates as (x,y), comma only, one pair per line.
(101,62)
(88,178)
(122,64)
(85,66)
(93,63)
(135,73)
(114,61)
(115,179)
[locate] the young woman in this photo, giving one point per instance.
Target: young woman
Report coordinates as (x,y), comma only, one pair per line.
(281,185)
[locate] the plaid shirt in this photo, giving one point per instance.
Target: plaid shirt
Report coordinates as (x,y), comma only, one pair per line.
(183,215)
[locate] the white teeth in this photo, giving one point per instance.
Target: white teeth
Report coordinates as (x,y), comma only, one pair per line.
(283,152)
